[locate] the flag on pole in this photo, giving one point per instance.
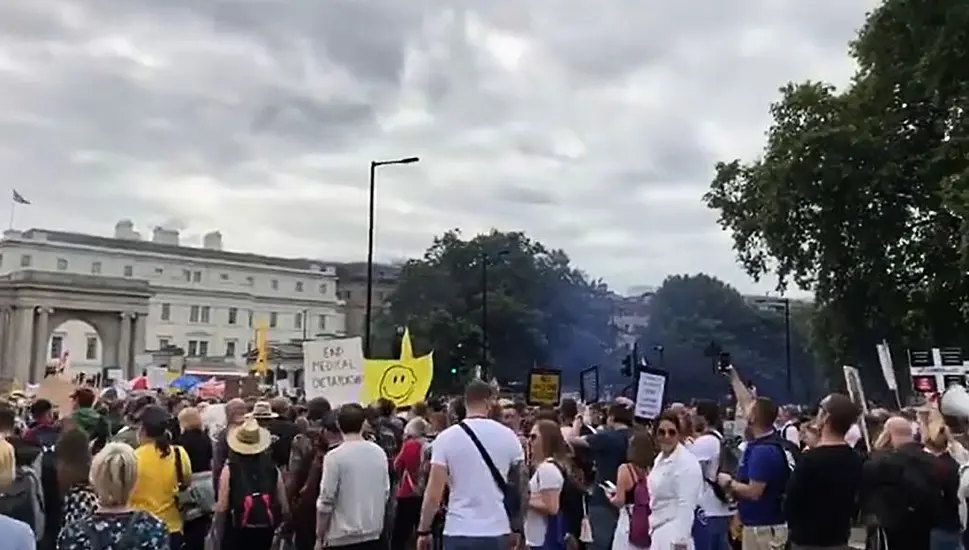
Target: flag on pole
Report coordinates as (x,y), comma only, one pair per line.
(18,198)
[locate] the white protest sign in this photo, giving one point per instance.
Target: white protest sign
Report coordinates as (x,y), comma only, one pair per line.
(213,418)
(157,377)
(649,394)
(333,369)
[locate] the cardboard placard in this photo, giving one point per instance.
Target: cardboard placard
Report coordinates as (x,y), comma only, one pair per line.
(544,387)
(589,385)
(650,392)
(58,391)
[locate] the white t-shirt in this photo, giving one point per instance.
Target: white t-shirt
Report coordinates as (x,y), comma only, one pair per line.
(547,476)
(706,448)
(475,505)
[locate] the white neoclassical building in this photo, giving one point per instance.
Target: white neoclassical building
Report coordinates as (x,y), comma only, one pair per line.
(101,301)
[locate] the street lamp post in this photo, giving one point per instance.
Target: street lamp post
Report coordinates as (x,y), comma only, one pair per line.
(485,260)
(787,348)
(368,315)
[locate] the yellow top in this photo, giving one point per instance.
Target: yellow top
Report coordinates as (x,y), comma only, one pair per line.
(156,485)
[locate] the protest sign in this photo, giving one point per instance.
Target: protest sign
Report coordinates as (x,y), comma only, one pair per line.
(333,369)
(650,393)
(589,385)
(544,387)
(404,380)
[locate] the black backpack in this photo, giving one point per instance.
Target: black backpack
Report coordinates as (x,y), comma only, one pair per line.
(728,463)
(789,451)
(253,498)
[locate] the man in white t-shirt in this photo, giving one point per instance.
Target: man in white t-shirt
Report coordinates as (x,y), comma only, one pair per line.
(476,517)
(710,531)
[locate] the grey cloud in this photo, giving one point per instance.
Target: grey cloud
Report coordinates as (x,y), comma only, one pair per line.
(592,126)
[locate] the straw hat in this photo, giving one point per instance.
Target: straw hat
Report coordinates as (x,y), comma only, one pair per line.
(249,438)
(263,410)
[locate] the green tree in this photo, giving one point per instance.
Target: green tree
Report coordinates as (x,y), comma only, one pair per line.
(688,312)
(862,196)
(540,309)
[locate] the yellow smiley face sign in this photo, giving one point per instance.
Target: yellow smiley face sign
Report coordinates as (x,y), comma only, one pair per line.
(405,380)
(397,383)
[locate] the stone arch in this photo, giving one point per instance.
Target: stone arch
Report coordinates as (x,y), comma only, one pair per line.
(97,323)
(34,303)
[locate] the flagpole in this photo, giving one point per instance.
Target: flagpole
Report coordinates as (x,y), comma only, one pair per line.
(13,208)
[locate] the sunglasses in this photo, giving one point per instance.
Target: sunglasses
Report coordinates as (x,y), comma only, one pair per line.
(666,433)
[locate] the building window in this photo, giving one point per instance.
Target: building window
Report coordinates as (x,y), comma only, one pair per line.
(91,348)
(56,346)
(230,348)
(224,276)
(299,286)
(197,277)
(323,288)
(128,271)
(250,281)
(298,321)
(187,274)
(166,312)
(203,348)
(25,260)
(1,259)
(61,264)
(272,319)
(322,323)
(250,318)
(233,315)
(274,284)
(164,343)
(206,310)
(95,268)
(193,348)
(159,270)
(193,314)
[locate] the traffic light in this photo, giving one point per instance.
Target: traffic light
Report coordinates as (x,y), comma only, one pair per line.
(627,366)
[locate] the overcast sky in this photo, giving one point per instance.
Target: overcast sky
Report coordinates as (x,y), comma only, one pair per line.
(592,125)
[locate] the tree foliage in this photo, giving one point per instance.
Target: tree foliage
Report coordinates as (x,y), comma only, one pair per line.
(540,310)
(862,195)
(688,312)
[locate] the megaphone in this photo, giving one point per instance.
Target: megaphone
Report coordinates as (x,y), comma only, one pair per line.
(955,402)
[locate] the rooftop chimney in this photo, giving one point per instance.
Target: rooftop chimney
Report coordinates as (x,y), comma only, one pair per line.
(124,229)
(165,236)
(212,241)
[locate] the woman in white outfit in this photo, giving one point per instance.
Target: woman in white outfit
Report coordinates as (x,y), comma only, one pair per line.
(675,483)
(639,459)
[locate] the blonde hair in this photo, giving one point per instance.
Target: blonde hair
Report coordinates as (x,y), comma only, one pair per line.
(113,472)
(190,418)
(936,436)
(8,463)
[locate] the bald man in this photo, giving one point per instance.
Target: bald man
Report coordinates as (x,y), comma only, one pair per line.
(899,486)
(896,434)
(235,412)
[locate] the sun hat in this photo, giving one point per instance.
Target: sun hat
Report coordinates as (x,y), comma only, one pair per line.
(263,410)
(249,438)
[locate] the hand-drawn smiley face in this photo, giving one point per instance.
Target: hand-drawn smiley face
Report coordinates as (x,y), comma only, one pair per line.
(397,382)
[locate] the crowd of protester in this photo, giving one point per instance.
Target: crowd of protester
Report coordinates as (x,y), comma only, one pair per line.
(477,472)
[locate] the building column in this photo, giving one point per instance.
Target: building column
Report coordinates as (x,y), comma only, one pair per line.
(6,337)
(138,343)
(41,339)
(124,345)
(22,349)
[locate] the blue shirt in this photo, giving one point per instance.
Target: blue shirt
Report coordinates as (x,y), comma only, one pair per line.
(765,463)
(16,535)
